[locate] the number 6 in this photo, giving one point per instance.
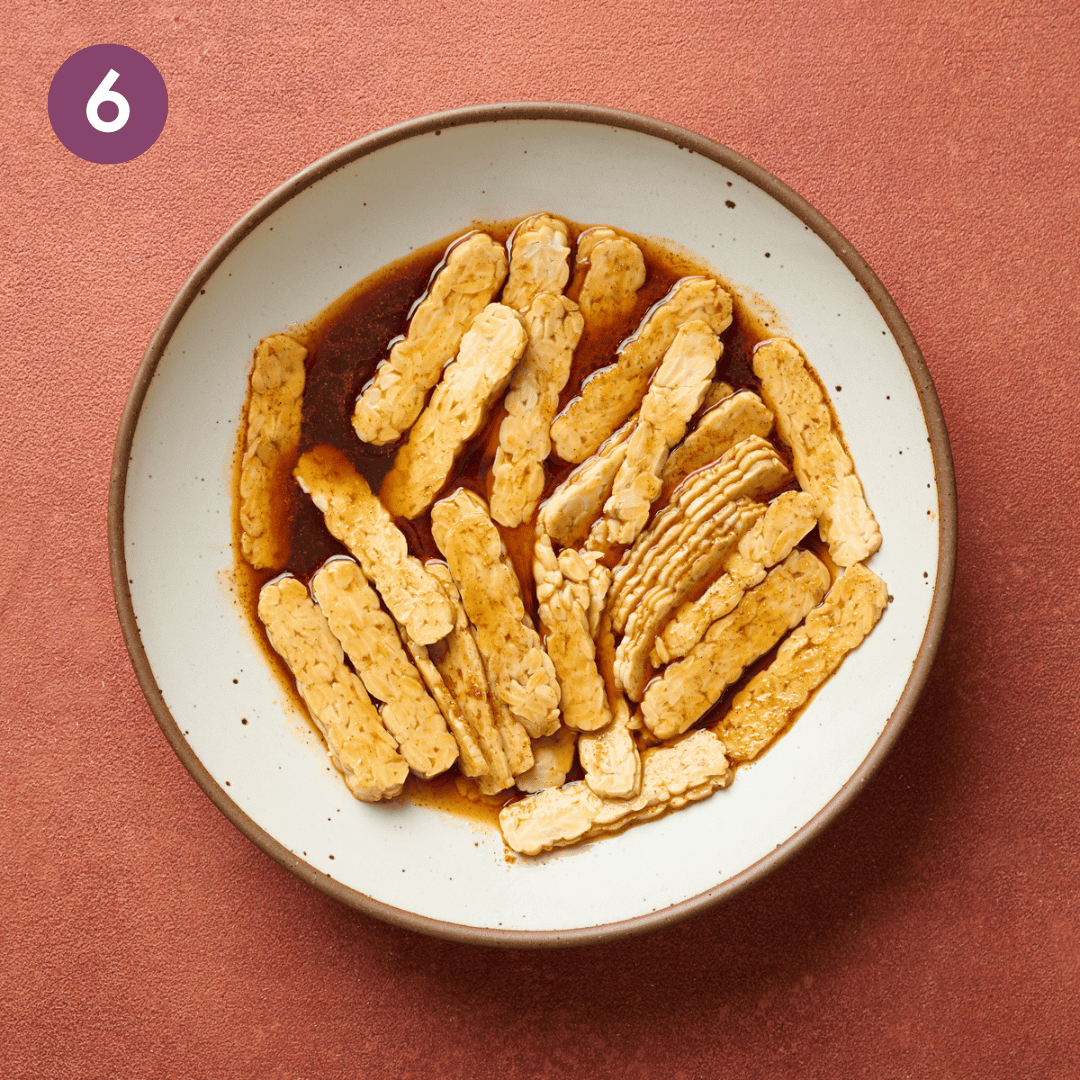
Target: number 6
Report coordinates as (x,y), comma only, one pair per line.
(102,94)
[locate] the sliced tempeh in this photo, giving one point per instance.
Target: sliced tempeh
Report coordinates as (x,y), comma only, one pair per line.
(553,325)
(519,670)
(271,441)
(470,384)
(689,688)
(672,777)
(370,640)
(357,518)
(576,503)
(564,600)
(361,748)
(610,757)
(809,656)
(611,394)
(471,276)
(674,394)
(731,420)
(515,739)
(616,272)
(539,261)
(804,420)
(787,520)
(458,661)
(553,758)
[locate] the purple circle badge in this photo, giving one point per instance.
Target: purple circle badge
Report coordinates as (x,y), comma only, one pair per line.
(108,103)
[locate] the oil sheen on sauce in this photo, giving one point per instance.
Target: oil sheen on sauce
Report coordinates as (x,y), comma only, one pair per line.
(347,341)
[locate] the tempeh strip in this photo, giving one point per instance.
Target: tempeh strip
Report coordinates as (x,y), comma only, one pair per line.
(519,670)
(674,394)
(553,325)
(616,272)
(576,503)
(763,708)
(731,420)
(805,422)
(473,273)
(359,746)
(562,593)
(539,261)
(271,441)
(461,666)
(357,518)
(610,395)
(553,758)
(788,518)
(370,639)
(469,385)
(672,777)
(687,689)
(610,757)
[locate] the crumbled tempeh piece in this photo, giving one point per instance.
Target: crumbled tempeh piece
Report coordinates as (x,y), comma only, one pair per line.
(370,640)
(564,600)
(809,656)
(674,394)
(610,757)
(735,418)
(519,670)
(361,748)
(679,534)
(273,434)
(470,278)
(553,325)
(616,272)
(357,518)
(787,520)
(822,466)
(539,261)
(688,689)
(553,758)
(458,661)
(610,395)
(672,777)
(575,504)
(469,385)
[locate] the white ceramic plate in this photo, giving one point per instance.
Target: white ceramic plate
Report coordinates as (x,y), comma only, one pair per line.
(332,225)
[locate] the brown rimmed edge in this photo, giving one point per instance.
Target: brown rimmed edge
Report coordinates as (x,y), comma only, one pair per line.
(943,470)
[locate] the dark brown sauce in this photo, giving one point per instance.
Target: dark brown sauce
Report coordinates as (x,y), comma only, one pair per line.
(349,339)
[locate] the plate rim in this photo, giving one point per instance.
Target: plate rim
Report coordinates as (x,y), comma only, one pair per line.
(841,248)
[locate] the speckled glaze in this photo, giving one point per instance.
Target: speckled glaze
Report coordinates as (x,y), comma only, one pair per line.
(346,216)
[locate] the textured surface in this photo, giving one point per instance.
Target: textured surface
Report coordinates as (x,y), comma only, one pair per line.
(933,930)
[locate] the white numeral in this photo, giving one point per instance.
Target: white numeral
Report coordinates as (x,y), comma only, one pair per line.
(102,94)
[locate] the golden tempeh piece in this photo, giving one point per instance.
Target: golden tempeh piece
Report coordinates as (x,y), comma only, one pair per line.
(688,689)
(271,441)
(370,640)
(539,261)
(553,758)
(810,655)
(474,271)
(359,746)
(553,325)
(519,670)
(469,385)
(731,420)
(616,272)
(611,394)
(788,518)
(822,466)
(458,661)
(672,777)
(357,518)
(567,514)
(674,394)
(563,598)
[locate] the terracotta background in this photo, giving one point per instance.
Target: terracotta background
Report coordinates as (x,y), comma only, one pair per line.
(934,931)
